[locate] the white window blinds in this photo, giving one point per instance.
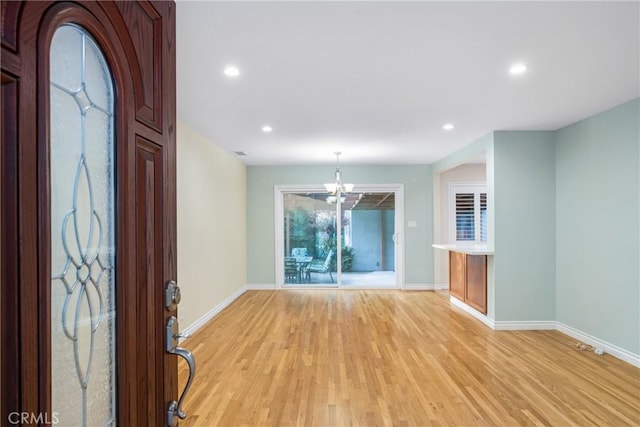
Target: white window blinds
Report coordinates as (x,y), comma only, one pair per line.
(465,217)
(483,217)
(468,213)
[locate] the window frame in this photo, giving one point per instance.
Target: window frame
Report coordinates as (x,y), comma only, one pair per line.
(476,188)
(281,189)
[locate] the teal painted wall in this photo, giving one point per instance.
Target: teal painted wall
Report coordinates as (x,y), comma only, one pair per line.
(465,154)
(524,235)
(598,217)
(418,207)
(566,226)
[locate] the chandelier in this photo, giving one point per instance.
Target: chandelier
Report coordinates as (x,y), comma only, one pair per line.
(337,189)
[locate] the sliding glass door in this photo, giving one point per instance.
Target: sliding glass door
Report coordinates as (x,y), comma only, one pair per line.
(311,237)
(370,239)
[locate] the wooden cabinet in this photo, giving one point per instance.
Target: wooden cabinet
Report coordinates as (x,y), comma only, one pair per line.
(468,279)
(457,276)
(476,282)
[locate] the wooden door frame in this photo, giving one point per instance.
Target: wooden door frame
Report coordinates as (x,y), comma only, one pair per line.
(10,365)
(25,199)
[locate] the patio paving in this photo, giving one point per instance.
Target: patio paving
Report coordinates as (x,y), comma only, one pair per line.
(385,279)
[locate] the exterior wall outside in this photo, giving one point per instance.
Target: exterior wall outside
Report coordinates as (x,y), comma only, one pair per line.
(212,240)
(388,217)
(367,228)
(367,242)
(598,231)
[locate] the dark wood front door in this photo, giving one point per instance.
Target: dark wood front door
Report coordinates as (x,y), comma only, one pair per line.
(88,219)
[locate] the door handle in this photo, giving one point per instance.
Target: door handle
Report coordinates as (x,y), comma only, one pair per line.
(172,335)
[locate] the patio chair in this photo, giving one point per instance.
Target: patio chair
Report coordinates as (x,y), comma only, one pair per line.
(290,269)
(320,266)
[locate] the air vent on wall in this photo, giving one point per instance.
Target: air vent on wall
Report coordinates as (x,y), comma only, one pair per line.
(240,153)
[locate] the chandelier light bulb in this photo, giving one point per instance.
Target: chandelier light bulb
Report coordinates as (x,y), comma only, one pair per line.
(337,186)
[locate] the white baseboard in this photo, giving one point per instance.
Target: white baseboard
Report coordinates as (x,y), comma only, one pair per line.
(255,287)
(524,325)
(213,312)
(369,287)
(472,311)
(539,325)
(609,348)
(421,287)
(408,287)
(583,337)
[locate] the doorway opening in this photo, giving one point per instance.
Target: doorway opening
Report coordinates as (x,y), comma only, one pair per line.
(367,223)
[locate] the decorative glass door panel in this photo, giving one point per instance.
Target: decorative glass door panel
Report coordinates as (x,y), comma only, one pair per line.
(83,255)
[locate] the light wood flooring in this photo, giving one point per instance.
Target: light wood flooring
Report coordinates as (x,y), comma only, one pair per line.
(394,358)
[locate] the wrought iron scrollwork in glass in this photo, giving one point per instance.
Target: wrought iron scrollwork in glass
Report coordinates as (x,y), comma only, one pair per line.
(83,259)
(89,269)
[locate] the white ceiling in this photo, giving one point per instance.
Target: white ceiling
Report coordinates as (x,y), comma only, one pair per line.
(377,80)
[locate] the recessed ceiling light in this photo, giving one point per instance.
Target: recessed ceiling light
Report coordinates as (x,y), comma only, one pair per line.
(267,129)
(231,71)
(517,69)
(447,126)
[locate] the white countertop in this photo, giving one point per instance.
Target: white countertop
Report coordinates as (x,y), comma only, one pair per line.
(465,249)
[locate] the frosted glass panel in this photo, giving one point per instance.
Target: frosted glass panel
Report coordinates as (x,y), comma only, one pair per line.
(96,84)
(82,231)
(67,43)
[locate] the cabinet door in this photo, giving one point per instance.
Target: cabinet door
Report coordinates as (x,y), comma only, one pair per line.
(476,292)
(457,274)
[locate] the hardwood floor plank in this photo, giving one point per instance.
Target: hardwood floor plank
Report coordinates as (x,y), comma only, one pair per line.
(394,358)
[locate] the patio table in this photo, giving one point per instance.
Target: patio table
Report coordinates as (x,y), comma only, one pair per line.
(301,263)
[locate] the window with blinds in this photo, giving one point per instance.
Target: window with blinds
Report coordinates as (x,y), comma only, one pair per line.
(483,217)
(465,217)
(468,213)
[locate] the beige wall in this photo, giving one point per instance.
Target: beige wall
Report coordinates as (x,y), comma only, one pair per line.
(462,173)
(212,224)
